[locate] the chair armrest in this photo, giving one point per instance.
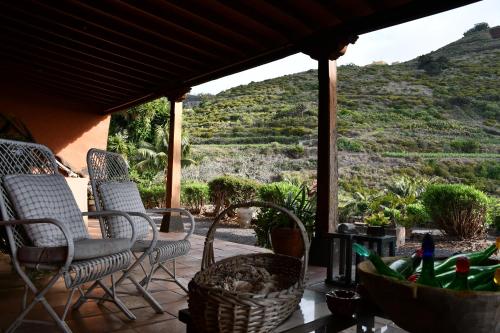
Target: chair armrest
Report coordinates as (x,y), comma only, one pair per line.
(178,210)
(152,224)
(107,213)
(59,224)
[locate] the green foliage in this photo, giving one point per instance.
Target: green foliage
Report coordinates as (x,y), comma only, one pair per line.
(345,144)
(153,196)
(483,26)
(465,146)
(227,190)
(416,215)
(406,186)
(300,203)
(194,195)
(459,210)
(377,219)
(432,66)
(295,151)
(278,191)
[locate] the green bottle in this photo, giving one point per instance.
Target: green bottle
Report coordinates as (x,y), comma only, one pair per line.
(446,278)
(475,258)
(406,266)
(427,276)
(460,281)
(481,278)
(380,266)
(492,285)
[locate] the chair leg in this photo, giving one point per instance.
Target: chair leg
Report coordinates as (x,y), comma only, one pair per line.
(147,296)
(173,275)
(112,294)
(84,295)
(39,297)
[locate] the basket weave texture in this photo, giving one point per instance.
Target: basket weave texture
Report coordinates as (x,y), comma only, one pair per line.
(214,309)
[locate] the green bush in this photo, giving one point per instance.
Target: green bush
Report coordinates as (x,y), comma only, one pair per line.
(277,192)
(416,215)
(459,210)
(345,144)
(153,196)
(377,219)
(226,190)
(194,195)
(465,146)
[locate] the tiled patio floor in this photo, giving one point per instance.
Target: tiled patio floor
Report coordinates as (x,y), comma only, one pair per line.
(106,318)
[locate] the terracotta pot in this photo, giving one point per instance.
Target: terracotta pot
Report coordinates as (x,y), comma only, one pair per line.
(287,241)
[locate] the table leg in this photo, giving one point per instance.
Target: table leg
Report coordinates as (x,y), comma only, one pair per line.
(392,249)
(342,258)
(329,269)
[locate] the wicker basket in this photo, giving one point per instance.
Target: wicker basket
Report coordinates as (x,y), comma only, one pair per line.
(422,309)
(217,310)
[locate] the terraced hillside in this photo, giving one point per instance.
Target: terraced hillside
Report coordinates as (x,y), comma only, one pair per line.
(434,116)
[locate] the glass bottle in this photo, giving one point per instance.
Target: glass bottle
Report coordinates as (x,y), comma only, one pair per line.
(379,264)
(406,266)
(475,258)
(492,285)
(427,276)
(460,281)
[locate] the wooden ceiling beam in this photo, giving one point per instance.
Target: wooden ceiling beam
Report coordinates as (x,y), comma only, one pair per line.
(181,47)
(54,67)
(61,48)
(63,91)
(63,58)
(202,23)
(271,16)
(196,37)
(239,22)
(97,41)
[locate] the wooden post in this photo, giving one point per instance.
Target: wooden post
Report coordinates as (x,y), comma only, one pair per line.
(327,165)
(173,175)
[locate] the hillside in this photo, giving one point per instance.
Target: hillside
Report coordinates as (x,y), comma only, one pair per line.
(434,116)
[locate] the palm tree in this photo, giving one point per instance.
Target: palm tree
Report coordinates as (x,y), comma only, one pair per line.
(154,155)
(118,143)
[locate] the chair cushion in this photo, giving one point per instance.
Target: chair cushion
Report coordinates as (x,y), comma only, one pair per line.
(45,196)
(84,249)
(124,196)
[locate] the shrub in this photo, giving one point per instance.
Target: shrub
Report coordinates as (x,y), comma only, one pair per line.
(416,215)
(300,203)
(226,190)
(459,210)
(465,146)
(153,196)
(483,26)
(377,219)
(295,151)
(277,192)
(345,144)
(194,195)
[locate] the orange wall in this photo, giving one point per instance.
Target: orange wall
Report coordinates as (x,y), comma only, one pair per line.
(68,128)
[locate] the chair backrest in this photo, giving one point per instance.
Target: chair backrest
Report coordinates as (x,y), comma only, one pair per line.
(105,166)
(20,158)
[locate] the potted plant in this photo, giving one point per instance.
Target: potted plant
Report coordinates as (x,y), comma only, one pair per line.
(276,230)
(376,224)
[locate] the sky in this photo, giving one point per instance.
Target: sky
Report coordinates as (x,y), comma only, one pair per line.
(398,43)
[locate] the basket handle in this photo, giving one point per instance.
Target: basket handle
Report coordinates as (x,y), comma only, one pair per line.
(208,249)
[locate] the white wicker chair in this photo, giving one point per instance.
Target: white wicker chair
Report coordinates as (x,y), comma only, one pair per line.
(35,203)
(111,186)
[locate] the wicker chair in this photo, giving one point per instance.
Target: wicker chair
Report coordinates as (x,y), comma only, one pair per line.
(44,230)
(112,187)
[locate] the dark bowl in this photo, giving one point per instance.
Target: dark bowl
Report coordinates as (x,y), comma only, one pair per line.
(343,303)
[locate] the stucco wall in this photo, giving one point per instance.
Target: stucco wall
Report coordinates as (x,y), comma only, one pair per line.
(68,128)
